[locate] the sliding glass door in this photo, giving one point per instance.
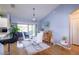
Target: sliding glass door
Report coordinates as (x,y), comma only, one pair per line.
(29,29)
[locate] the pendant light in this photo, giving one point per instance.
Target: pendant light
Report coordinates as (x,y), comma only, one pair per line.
(34,15)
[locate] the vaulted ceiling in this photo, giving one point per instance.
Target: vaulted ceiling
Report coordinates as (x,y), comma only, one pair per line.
(25,11)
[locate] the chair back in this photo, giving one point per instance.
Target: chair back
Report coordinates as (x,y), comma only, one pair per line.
(39,37)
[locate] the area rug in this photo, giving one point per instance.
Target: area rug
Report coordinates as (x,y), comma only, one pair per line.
(34,48)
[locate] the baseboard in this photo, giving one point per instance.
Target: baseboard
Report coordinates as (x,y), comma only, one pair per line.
(75,44)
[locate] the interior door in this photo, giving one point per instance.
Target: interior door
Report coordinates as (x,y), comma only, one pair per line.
(75,31)
(78,33)
(74,27)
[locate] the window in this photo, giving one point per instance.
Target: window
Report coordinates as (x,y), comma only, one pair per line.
(30,29)
(23,28)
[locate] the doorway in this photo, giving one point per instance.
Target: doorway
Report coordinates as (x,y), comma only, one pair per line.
(74,27)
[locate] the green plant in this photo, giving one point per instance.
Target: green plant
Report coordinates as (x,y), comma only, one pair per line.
(1,14)
(64,38)
(14,30)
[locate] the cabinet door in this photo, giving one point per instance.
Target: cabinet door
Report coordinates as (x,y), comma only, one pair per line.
(4,22)
(47,36)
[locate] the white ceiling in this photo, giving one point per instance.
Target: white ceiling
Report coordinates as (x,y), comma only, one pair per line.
(25,11)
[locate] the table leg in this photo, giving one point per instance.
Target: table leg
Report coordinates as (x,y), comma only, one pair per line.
(9,49)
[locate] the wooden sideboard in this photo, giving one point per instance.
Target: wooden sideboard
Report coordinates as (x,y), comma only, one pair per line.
(47,36)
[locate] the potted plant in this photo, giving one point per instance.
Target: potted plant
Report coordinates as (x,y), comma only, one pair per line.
(65,39)
(14,30)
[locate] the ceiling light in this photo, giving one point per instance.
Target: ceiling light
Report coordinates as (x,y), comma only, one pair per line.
(34,19)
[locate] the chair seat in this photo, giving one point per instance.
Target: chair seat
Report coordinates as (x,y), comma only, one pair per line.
(26,43)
